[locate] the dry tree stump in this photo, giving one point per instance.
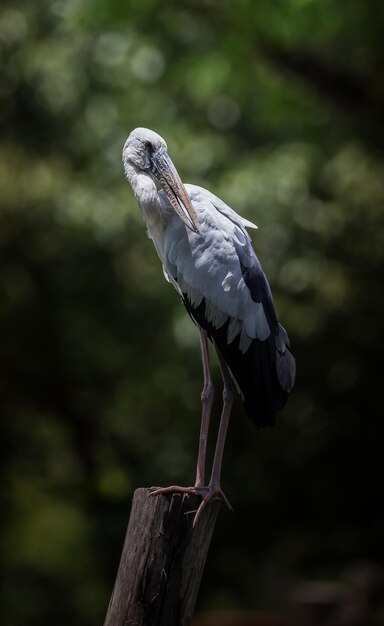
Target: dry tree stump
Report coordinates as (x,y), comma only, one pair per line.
(162,561)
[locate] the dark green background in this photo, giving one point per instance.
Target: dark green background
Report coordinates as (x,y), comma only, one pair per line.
(278,107)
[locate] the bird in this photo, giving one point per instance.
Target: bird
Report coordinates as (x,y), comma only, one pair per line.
(208,257)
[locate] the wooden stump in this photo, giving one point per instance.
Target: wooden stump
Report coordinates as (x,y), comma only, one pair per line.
(162,561)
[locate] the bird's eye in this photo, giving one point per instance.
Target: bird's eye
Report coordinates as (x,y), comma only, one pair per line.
(148,145)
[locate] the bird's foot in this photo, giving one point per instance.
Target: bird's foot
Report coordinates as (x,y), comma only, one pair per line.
(207,493)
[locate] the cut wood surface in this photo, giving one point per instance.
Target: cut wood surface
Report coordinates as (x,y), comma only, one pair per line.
(162,561)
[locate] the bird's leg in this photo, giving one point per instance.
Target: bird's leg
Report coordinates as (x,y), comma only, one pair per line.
(206,401)
(228,396)
(214,489)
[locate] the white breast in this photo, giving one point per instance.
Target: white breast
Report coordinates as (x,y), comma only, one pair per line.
(207,266)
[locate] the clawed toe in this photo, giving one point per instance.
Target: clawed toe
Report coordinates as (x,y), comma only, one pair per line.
(207,493)
(173,489)
(211,492)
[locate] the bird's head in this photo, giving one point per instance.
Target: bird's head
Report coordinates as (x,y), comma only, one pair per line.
(147,152)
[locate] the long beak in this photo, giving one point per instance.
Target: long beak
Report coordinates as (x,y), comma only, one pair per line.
(176,193)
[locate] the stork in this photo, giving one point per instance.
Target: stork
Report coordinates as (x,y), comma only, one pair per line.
(208,257)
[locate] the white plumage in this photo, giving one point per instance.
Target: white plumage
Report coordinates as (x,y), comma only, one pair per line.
(207,255)
(206,265)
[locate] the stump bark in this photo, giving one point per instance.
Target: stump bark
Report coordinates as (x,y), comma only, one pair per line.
(162,561)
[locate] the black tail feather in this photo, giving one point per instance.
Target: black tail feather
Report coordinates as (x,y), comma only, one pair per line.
(264,373)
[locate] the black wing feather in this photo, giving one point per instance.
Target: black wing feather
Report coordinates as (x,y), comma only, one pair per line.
(265,373)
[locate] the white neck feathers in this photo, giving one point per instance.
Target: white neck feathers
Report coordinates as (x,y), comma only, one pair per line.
(146,194)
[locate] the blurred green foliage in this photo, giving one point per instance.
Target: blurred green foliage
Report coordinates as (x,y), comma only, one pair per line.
(278,107)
